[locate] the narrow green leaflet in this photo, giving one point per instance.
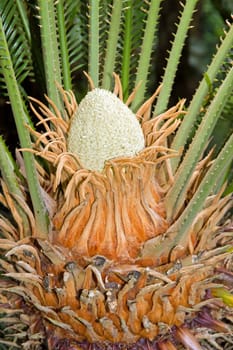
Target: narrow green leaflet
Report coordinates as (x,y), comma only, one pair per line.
(93,64)
(21,5)
(65,63)
(20,120)
(207,186)
(146,50)
(197,100)
(15,27)
(75,37)
(127,44)
(8,172)
(50,48)
(175,197)
(112,41)
(133,23)
(174,56)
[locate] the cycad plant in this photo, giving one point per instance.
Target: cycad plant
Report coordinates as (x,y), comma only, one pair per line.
(115,224)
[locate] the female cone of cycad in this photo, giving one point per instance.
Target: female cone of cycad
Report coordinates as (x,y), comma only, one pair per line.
(104,128)
(116,201)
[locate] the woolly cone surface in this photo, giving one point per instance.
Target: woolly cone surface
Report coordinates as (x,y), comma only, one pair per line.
(89,286)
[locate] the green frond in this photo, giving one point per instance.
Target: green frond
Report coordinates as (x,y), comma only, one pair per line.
(9,171)
(93,63)
(224,126)
(18,40)
(175,197)
(65,64)
(76,24)
(146,50)
(21,118)
(206,188)
(134,16)
(198,99)
(23,12)
(104,21)
(127,47)
(229,188)
(174,56)
(111,48)
(64,29)
(50,48)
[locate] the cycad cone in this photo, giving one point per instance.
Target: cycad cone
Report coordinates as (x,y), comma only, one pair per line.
(94,284)
(104,128)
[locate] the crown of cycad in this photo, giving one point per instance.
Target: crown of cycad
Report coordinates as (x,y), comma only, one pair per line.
(112,159)
(104,128)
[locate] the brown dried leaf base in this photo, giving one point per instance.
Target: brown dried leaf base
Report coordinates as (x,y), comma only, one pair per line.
(73,304)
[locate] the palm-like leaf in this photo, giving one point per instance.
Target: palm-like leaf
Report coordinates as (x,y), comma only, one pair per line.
(199,98)
(146,51)
(75,24)
(131,40)
(224,126)
(18,40)
(21,120)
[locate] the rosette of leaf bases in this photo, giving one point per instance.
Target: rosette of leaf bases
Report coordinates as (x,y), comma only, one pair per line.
(94,283)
